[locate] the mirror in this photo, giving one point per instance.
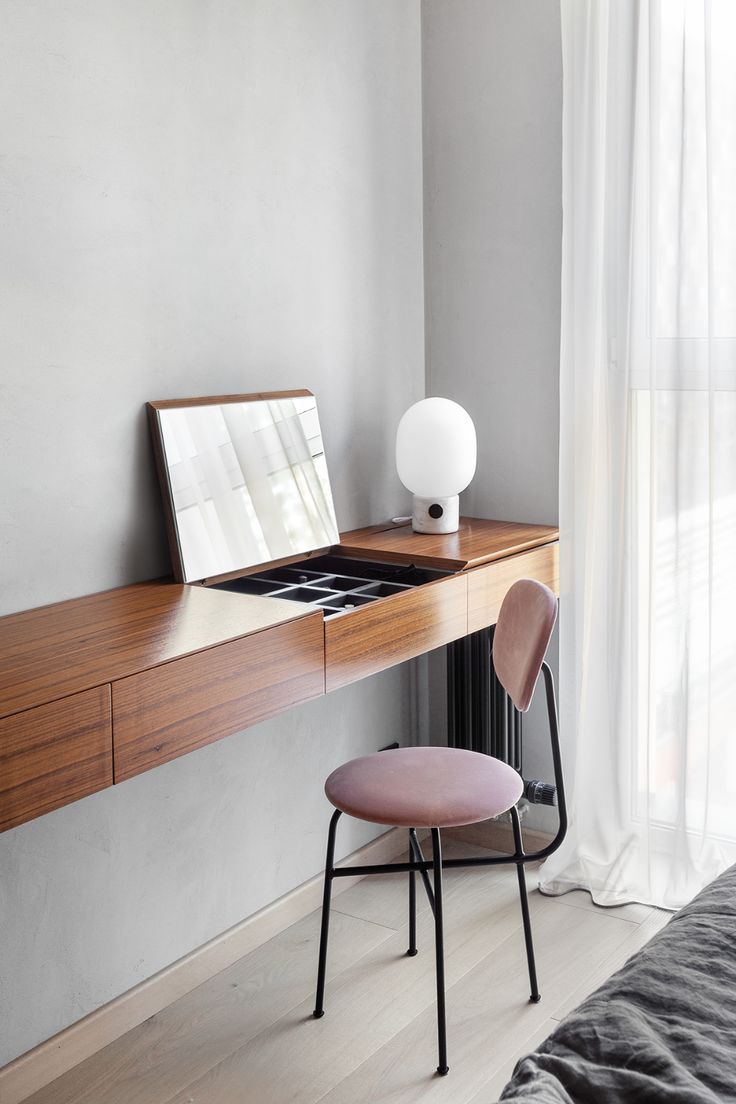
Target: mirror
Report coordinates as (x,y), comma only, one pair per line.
(245,481)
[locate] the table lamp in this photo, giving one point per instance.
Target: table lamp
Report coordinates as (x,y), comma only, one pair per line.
(435,457)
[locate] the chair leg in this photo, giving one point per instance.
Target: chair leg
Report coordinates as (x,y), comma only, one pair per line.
(439,941)
(535,995)
(412,904)
(319,1007)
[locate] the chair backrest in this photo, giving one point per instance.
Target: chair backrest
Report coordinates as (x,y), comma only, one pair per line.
(525,622)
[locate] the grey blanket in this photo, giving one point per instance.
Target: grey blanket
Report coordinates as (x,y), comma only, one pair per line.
(663,1029)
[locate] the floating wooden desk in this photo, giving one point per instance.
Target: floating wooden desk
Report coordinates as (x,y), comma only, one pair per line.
(98,689)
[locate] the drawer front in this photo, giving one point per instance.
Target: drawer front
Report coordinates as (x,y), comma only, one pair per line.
(487,586)
(179,706)
(394,629)
(54,754)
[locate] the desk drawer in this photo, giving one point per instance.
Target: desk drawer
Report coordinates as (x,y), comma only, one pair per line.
(54,754)
(387,632)
(179,706)
(487,585)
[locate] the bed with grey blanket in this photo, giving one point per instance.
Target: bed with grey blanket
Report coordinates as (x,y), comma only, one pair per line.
(663,1029)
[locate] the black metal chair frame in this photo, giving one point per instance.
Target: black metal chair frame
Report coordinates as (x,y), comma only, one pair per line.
(420,865)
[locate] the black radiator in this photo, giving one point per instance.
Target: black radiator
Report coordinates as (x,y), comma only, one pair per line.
(480,714)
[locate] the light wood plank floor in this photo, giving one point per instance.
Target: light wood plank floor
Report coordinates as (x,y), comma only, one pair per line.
(247,1035)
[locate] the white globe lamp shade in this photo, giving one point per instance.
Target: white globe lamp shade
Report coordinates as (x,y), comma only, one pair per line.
(436,451)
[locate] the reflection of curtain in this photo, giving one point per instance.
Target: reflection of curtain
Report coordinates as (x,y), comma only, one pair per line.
(249,483)
(648,446)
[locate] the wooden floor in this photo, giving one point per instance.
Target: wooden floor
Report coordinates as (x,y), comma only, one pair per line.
(247,1035)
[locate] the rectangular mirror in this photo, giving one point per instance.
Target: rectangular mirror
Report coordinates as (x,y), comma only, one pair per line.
(244,481)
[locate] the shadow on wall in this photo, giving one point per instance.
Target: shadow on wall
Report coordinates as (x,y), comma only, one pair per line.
(144,548)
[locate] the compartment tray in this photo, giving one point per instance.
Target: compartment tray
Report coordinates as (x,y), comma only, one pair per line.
(335,583)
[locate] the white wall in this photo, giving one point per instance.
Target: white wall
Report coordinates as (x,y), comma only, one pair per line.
(492,88)
(198,196)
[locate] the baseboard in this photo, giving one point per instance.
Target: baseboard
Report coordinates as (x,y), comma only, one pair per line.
(498,836)
(37,1068)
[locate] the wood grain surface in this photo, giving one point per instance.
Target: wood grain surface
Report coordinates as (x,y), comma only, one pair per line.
(191,664)
(487,586)
(179,706)
(476,542)
(54,651)
(219,400)
(246,1035)
(394,629)
(54,754)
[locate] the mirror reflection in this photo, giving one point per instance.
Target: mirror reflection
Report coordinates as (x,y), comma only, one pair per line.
(248,482)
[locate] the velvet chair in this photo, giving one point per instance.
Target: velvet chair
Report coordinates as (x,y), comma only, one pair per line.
(440,787)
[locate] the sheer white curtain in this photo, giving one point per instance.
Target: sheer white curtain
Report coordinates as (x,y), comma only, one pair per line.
(648,447)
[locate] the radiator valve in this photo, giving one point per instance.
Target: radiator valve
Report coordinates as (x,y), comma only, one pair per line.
(540,793)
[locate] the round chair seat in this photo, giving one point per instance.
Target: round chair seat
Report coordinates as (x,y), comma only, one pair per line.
(424,787)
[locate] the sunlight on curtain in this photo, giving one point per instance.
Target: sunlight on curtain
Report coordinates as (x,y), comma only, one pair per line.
(648,447)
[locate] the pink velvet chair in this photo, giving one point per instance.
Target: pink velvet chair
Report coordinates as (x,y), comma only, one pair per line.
(441,787)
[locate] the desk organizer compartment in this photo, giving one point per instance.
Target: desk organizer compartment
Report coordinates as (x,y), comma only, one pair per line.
(339,583)
(383,590)
(304,594)
(367,571)
(250,585)
(344,602)
(290,575)
(334,583)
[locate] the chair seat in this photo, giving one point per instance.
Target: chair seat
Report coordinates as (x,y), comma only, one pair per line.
(424,787)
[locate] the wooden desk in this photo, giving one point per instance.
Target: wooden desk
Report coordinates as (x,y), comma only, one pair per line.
(98,689)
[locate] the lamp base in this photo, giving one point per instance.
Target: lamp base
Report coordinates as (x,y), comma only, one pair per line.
(436,515)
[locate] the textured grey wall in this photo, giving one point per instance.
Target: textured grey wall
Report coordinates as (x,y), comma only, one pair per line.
(493,225)
(197,198)
(492,88)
